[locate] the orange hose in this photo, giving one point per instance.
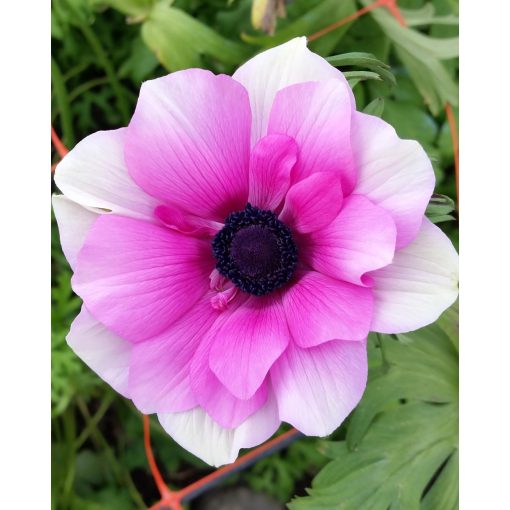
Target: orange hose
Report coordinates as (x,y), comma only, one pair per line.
(239,462)
(173,499)
(391,5)
(455,141)
(158,479)
(57,142)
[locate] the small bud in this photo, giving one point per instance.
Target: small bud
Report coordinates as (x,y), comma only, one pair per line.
(265,12)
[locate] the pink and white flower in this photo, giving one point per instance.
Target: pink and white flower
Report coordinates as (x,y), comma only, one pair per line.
(235,244)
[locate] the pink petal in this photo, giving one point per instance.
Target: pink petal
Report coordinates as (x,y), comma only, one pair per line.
(95,175)
(274,69)
(313,203)
(318,117)
(175,218)
(419,285)
(188,142)
(319,308)
(223,407)
(317,388)
(198,433)
(159,380)
(104,352)
(74,222)
(393,173)
(272,159)
(138,278)
(360,239)
(247,340)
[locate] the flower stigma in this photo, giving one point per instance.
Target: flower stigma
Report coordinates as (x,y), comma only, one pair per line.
(255,251)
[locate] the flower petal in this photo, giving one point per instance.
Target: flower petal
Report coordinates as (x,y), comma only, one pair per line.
(223,407)
(360,239)
(198,433)
(246,341)
(319,308)
(419,285)
(74,222)
(173,217)
(104,352)
(318,116)
(138,278)
(95,175)
(317,388)
(274,69)
(188,142)
(393,173)
(313,203)
(271,161)
(159,378)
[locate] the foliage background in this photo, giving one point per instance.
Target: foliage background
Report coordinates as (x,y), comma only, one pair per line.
(398,450)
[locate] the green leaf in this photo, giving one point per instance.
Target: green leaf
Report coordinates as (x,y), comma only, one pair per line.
(422,57)
(364,60)
(401,446)
(356,59)
(439,208)
(362,75)
(135,8)
(449,323)
(426,15)
(140,63)
(444,493)
(411,122)
(444,141)
(375,107)
(179,40)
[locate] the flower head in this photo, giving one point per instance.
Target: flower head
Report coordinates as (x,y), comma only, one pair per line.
(235,244)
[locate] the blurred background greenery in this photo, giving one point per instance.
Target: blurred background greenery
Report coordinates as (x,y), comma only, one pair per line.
(399,448)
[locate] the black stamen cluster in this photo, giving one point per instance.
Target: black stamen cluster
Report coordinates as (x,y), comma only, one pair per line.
(255,251)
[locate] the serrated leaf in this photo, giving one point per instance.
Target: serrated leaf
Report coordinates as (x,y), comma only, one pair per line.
(402,439)
(440,204)
(444,493)
(442,219)
(439,208)
(364,60)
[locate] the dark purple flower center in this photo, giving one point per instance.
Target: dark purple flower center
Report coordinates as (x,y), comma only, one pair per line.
(255,251)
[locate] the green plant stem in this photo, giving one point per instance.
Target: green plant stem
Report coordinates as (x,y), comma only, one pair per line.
(84,87)
(76,70)
(62,98)
(122,475)
(104,61)
(105,404)
(69,432)
(386,364)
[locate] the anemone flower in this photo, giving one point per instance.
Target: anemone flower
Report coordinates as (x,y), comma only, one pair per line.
(235,244)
